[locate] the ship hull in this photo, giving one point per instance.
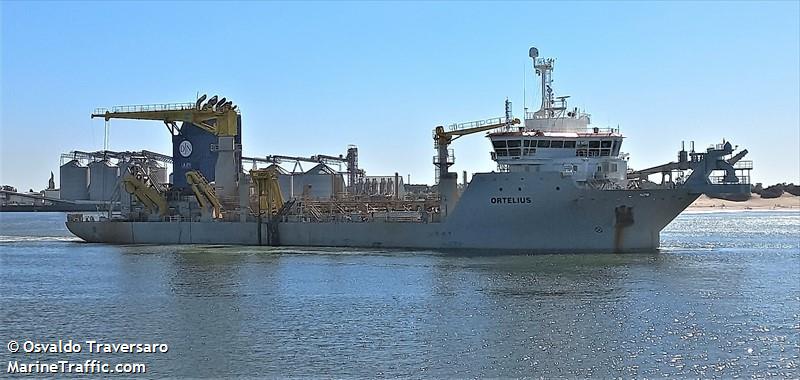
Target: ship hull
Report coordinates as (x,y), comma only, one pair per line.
(530,212)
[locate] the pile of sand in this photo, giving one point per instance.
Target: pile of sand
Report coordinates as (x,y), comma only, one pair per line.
(784,202)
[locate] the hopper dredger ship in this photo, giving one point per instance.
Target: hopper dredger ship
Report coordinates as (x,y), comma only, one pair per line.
(560,185)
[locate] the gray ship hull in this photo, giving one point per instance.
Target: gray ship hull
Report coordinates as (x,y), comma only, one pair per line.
(529,212)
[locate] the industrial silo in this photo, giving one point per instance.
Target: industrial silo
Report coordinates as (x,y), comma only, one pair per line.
(320,182)
(158,174)
(124,196)
(74,179)
(103,177)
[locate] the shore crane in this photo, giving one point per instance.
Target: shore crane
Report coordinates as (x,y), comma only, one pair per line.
(443,137)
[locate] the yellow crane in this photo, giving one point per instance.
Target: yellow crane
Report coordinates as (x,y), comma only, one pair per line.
(268,190)
(443,137)
(217,116)
(149,196)
(204,193)
(448,182)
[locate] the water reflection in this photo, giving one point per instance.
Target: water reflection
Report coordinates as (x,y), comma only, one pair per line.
(690,310)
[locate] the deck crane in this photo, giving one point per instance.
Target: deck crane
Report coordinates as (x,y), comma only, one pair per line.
(204,193)
(138,185)
(213,116)
(217,116)
(448,189)
(270,202)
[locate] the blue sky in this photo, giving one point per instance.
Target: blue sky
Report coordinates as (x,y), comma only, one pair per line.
(313,77)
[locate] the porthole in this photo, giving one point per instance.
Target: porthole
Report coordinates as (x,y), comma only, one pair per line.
(519,188)
(558,188)
(501,189)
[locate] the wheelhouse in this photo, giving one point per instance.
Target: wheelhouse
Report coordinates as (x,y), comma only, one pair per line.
(521,145)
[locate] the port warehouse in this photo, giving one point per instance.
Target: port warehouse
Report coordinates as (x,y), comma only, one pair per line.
(96,176)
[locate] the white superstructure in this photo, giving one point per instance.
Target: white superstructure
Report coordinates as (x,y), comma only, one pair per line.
(556,138)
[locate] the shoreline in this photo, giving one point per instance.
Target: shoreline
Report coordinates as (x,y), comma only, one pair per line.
(785,202)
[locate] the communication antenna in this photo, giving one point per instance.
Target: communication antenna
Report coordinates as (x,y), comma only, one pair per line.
(533,53)
(524,98)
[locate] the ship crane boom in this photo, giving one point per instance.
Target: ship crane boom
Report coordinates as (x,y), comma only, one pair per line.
(219,120)
(444,138)
(448,182)
(218,117)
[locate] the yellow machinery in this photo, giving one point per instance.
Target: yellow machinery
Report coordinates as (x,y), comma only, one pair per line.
(215,116)
(448,182)
(268,190)
(444,138)
(149,196)
(204,193)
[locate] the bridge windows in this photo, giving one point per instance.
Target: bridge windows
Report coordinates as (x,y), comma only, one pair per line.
(583,147)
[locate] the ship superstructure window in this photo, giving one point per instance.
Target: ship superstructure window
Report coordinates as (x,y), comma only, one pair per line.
(515,152)
(583,144)
(499,143)
(513,143)
(502,153)
(557,144)
(615,148)
(569,144)
(530,152)
(594,144)
(543,144)
(527,143)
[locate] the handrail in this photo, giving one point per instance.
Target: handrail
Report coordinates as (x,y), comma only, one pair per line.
(154,107)
(474,124)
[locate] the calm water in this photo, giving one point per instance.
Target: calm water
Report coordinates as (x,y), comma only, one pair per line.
(722,299)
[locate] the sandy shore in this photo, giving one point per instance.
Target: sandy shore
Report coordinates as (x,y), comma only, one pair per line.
(785,202)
